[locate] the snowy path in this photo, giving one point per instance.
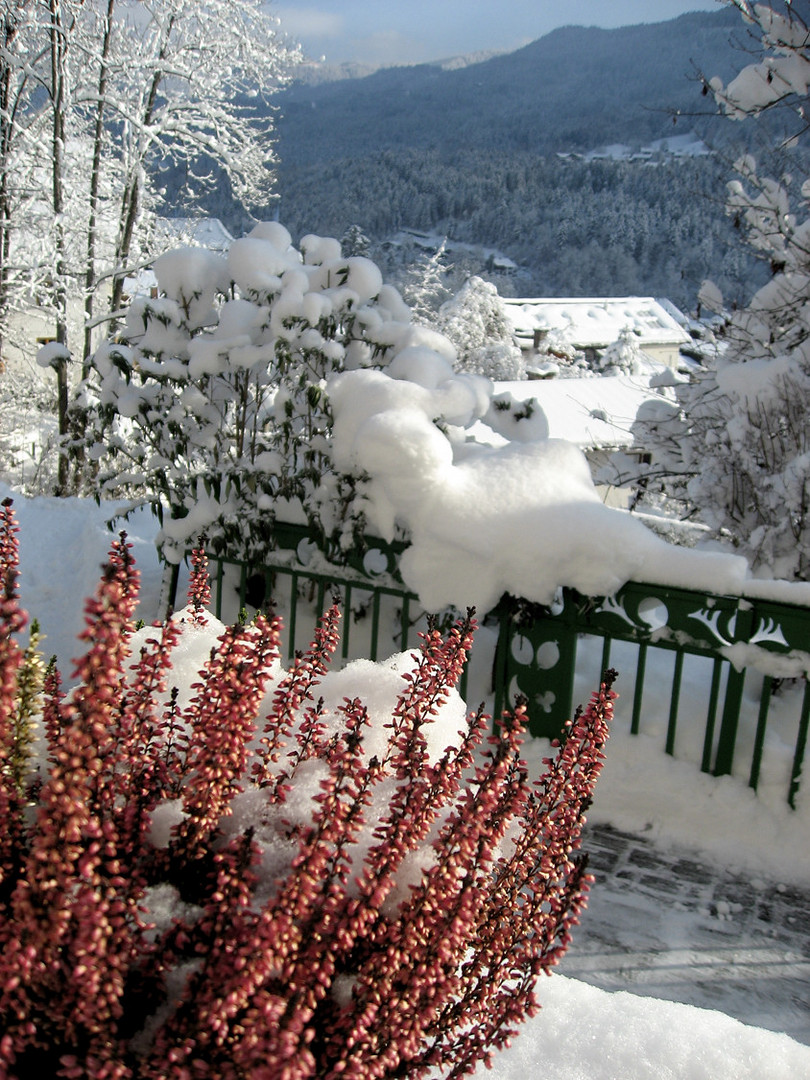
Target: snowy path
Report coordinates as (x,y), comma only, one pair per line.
(662,924)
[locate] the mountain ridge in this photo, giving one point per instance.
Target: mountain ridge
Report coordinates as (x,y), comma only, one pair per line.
(499,155)
(550,95)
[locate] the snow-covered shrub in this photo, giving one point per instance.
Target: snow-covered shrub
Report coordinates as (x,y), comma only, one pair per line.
(501,362)
(519,421)
(214,407)
(622,356)
(737,447)
(257,874)
(290,385)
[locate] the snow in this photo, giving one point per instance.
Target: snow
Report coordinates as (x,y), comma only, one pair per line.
(595,322)
(52,354)
(758,379)
(760,85)
(63,544)
(190,277)
(523,517)
(581,1033)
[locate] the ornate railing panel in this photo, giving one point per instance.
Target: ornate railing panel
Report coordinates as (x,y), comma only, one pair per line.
(754,649)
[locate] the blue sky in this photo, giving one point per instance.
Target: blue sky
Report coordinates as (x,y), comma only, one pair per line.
(412,31)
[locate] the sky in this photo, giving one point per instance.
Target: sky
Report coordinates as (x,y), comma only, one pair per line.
(390,32)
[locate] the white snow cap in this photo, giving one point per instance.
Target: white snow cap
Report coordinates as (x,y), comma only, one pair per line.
(51,353)
(191,277)
(522,517)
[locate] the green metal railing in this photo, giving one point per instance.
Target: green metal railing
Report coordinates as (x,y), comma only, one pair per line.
(750,649)
(716,662)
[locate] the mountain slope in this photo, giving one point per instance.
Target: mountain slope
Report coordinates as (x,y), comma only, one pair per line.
(569,90)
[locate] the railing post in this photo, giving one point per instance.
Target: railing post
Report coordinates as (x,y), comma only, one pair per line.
(801,746)
(500,666)
(743,628)
(536,658)
(167,602)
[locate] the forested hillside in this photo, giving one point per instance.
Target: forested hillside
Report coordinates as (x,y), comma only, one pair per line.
(473,153)
(576,227)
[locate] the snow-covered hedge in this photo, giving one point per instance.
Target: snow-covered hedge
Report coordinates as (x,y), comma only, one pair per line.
(213,407)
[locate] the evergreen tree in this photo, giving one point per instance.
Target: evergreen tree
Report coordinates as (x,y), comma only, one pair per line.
(475,321)
(355,242)
(425,285)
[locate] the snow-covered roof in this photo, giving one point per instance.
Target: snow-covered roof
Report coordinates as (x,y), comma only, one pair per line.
(432,241)
(205,232)
(174,232)
(593,413)
(595,322)
(686,145)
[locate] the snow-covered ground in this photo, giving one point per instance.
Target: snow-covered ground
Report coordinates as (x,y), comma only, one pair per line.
(581,1033)
(679,147)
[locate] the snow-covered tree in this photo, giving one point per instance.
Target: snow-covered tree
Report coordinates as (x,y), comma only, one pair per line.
(737,443)
(106,94)
(15,81)
(425,284)
(475,321)
(355,242)
(622,355)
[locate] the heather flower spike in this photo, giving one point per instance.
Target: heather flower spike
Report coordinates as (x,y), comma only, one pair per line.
(12,621)
(199,588)
(405,921)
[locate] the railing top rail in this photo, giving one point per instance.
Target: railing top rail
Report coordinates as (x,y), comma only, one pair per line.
(785,595)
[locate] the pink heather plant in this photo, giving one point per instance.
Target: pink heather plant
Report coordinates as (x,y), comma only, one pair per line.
(344,962)
(199,586)
(12,620)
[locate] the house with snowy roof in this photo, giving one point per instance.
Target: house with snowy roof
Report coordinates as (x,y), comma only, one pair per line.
(594,413)
(590,325)
(197,232)
(175,232)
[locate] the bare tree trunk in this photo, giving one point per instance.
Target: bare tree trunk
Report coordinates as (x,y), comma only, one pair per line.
(7,123)
(130,204)
(129,214)
(58,46)
(95,182)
